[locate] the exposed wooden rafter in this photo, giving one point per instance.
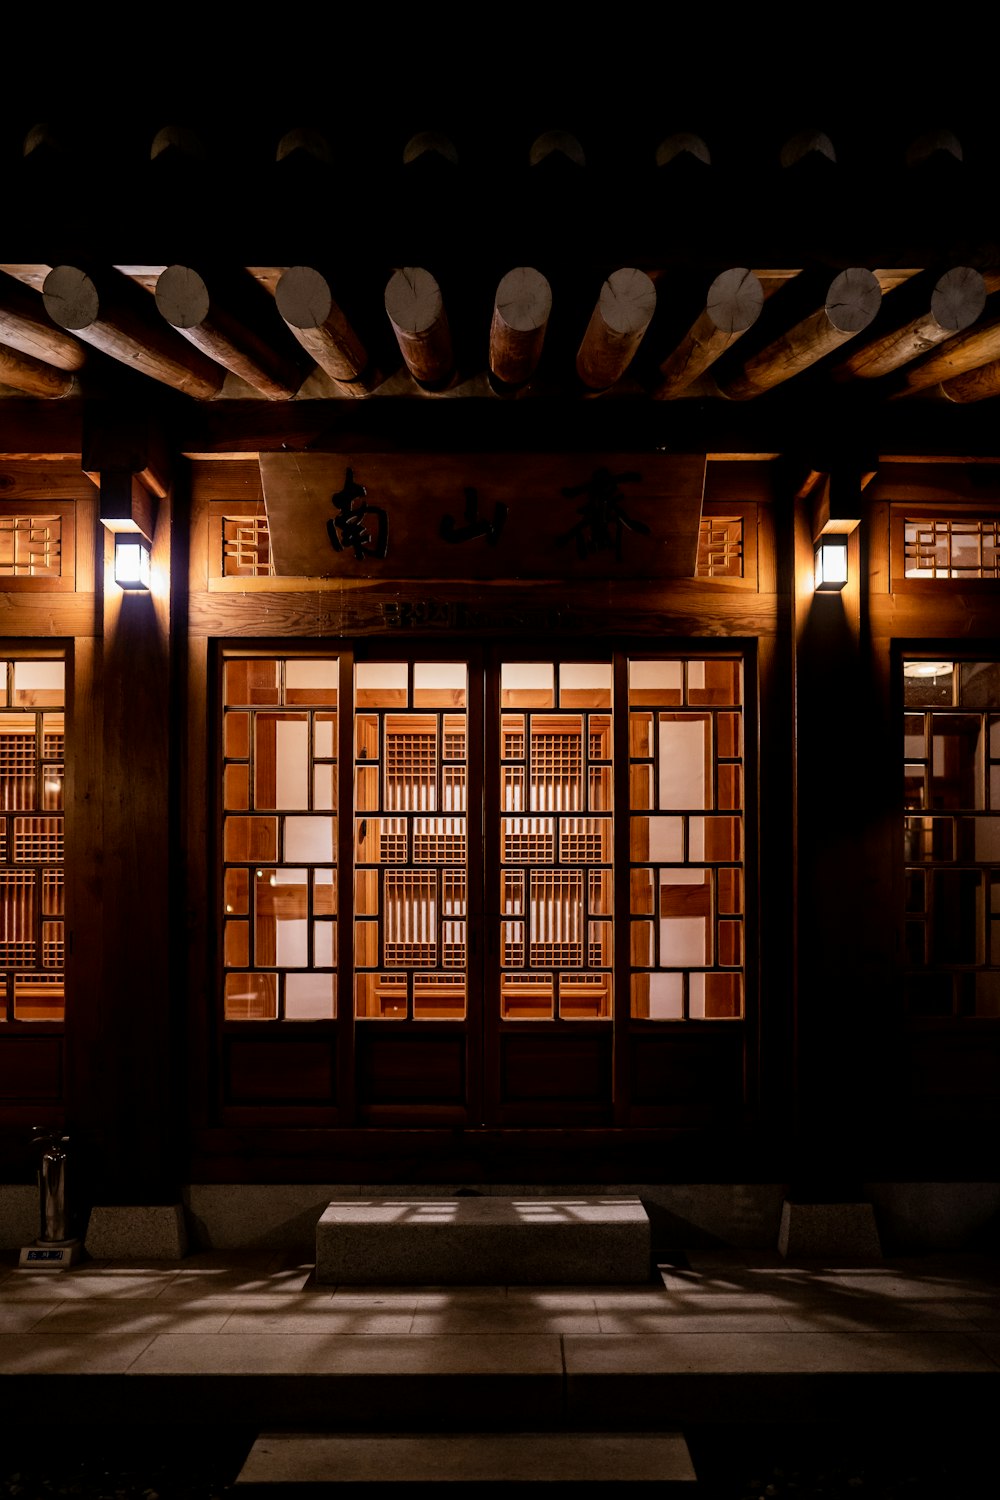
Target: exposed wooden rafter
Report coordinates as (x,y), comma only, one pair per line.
(415,308)
(200,314)
(114,319)
(851,303)
(733,305)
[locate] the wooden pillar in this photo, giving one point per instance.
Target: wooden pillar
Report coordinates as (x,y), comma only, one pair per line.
(838,742)
(127,1085)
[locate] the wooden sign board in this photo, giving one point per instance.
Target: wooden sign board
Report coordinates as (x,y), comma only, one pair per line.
(483,515)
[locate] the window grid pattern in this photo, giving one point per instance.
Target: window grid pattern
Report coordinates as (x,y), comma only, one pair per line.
(686,838)
(246,547)
(556,849)
(30,546)
(942,548)
(720,547)
(32,935)
(279,730)
(410,845)
(951,838)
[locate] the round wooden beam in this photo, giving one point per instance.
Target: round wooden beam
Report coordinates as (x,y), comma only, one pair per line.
(733,305)
(415,308)
(184,301)
(427,142)
(114,321)
(957,300)
(559,143)
(680,145)
(520,319)
(179,141)
(804,144)
(620,318)
(306,304)
(974,385)
(933,143)
(22,372)
(312,143)
(853,299)
(33,334)
(957,356)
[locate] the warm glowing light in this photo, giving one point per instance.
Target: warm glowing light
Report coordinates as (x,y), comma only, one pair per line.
(927,668)
(831,563)
(131,564)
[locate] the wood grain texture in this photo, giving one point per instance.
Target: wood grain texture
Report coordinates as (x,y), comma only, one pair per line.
(124,328)
(957,300)
(520,319)
(306,304)
(491,515)
(617,324)
(186,302)
(733,305)
(851,303)
(415,308)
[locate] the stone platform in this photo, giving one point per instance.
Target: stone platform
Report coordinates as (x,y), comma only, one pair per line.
(484,1240)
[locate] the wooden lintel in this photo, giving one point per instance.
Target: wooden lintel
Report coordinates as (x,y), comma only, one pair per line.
(306,303)
(853,299)
(200,315)
(733,305)
(957,300)
(415,308)
(621,315)
(520,319)
(115,318)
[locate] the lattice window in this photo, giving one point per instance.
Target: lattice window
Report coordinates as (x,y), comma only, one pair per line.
(940,547)
(246,547)
(686,893)
(556,841)
(951,833)
(30,546)
(410,931)
(720,547)
(32,934)
(279,795)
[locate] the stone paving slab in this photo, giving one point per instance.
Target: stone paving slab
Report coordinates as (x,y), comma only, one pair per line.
(301,1460)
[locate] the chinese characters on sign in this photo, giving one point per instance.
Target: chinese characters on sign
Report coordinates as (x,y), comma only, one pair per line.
(602,519)
(347,530)
(354,514)
(599,529)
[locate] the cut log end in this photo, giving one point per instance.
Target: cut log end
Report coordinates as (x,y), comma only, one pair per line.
(524,299)
(627,302)
(182,297)
(853,300)
(735,299)
(958,298)
(70,297)
(413,300)
(303,297)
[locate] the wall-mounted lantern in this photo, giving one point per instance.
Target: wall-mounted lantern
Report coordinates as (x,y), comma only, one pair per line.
(131,562)
(830,571)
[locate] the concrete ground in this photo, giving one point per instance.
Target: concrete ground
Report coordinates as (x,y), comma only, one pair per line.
(716,1341)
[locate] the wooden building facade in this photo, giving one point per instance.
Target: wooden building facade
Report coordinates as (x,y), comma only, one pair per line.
(481,780)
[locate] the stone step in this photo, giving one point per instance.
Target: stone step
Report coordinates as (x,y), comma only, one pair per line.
(484,1240)
(296,1464)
